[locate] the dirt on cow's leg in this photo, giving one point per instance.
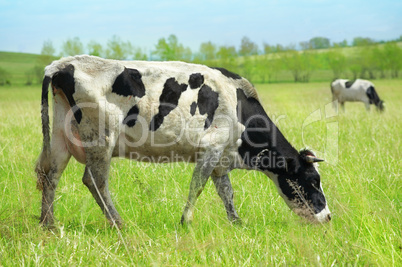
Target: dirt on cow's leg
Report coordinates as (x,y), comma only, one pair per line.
(225,191)
(96,179)
(202,171)
(49,173)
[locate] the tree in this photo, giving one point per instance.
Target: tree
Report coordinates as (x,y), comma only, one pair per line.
(171,49)
(48,49)
(138,54)
(118,49)
(226,52)
(95,49)
(248,67)
(45,58)
(47,54)
(72,47)
(399,39)
(247,47)
(208,51)
(393,58)
(319,43)
(266,68)
(367,62)
(337,62)
(354,65)
(300,64)
(362,41)
(378,58)
(268,49)
(305,45)
(227,57)
(344,43)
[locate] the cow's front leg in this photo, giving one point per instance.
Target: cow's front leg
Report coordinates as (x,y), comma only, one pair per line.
(225,191)
(367,105)
(343,106)
(202,171)
(96,179)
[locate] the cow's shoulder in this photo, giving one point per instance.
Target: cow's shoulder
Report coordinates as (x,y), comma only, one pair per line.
(228,73)
(365,83)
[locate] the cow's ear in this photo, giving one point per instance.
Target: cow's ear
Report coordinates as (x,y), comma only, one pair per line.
(291,165)
(312,159)
(309,156)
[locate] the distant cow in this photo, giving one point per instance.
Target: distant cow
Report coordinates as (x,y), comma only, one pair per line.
(170,110)
(357,90)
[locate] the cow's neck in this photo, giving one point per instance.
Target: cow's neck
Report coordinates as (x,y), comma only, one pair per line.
(261,138)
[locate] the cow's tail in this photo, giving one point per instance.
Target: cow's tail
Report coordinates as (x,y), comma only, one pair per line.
(43,163)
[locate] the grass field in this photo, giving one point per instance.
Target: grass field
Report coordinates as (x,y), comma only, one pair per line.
(363,187)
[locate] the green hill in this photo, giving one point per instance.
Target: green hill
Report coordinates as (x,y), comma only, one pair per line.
(17,65)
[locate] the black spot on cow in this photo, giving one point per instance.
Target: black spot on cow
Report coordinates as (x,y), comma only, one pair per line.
(196,80)
(167,101)
(129,83)
(64,80)
(228,74)
(349,84)
(207,103)
(131,117)
(193,107)
(261,134)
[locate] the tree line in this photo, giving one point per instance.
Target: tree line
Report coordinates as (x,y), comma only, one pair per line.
(363,58)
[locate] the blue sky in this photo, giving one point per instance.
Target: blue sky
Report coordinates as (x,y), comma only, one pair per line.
(25,25)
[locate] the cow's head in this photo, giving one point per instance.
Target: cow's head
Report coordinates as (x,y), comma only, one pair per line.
(299,183)
(381,105)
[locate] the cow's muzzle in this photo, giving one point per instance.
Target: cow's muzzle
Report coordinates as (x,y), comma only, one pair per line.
(323,216)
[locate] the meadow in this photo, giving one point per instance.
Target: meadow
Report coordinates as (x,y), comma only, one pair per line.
(362,182)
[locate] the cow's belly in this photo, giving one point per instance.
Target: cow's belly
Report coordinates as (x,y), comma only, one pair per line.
(73,142)
(353,95)
(174,141)
(173,144)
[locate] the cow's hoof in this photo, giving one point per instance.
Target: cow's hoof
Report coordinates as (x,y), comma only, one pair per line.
(48,226)
(47,223)
(236,221)
(184,222)
(118,224)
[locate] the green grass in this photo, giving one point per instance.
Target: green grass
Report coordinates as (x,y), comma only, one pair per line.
(363,190)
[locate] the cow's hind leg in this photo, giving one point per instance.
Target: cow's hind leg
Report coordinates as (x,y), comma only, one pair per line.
(49,171)
(202,171)
(225,191)
(96,179)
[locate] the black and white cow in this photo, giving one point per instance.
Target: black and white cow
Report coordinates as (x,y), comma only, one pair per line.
(184,112)
(357,90)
